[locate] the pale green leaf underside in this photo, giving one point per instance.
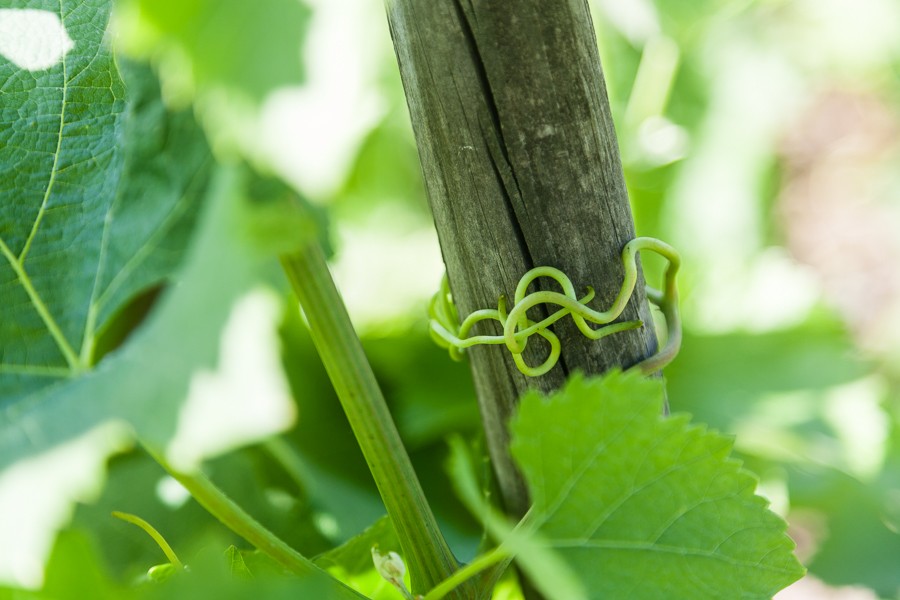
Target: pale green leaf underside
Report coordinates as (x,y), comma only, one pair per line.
(94,208)
(645,506)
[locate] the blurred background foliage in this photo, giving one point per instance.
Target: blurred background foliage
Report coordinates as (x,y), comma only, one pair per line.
(758,137)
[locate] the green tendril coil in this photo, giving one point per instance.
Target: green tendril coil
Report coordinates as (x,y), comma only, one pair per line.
(449,333)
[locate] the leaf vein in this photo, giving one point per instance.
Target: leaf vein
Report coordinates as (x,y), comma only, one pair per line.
(41,309)
(663,549)
(55,165)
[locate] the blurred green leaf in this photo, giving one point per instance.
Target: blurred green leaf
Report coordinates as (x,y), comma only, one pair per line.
(108,209)
(282,216)
(386,170)
(145,382)
(430,396)
(106,184)
(720,378)
(355,555)
(211,576)
(75,571)
(138,484)
(247,47)
(666,499)
(236,565)
(853,525)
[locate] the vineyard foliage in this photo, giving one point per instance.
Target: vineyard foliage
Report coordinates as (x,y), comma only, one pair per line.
(156,159)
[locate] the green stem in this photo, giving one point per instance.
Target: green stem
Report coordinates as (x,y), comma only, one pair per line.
(424,548)
(237,520)
(153,533)
(481,563)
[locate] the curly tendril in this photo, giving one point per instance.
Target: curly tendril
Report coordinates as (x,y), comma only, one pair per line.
(517,327)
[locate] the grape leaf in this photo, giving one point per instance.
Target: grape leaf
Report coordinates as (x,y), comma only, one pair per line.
(641,505)
(99,194)
(101,230)
(144,384)
(100,187)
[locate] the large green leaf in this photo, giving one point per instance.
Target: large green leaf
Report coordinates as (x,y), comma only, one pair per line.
(100,187)
(98,196)
(107,213)
(144,384)
(621,492)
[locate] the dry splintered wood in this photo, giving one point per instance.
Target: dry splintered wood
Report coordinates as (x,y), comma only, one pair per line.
(522,169)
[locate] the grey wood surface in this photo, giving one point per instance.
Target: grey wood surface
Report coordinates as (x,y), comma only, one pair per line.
(522,169)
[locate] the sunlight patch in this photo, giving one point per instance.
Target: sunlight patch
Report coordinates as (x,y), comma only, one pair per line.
(33,39)
(247,398)
(37,494)
(862,426)
(379,254)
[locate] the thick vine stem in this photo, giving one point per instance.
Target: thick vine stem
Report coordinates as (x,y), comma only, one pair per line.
(424,548)
(517,327)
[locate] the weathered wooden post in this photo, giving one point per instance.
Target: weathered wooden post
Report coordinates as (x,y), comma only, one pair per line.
(522,169)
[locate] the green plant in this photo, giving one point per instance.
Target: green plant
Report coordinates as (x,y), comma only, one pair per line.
(109,196)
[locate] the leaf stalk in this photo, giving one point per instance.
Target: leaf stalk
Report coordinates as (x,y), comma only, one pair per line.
(424,548)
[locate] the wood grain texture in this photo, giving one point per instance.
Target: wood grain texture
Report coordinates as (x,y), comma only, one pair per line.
(522,169)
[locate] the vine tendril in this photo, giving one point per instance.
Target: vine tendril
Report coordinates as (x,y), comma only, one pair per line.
(449,333)
(152,532)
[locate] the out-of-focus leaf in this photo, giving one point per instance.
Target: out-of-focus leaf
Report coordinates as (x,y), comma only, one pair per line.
(236,565)
(857,534)
(283,216)
(355,555)
(430,395)
(75,571)
(137,484)
(719,378)
(386,170)
(352,561)
(211,576)
(689,20)
(620,492)
(246,47)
